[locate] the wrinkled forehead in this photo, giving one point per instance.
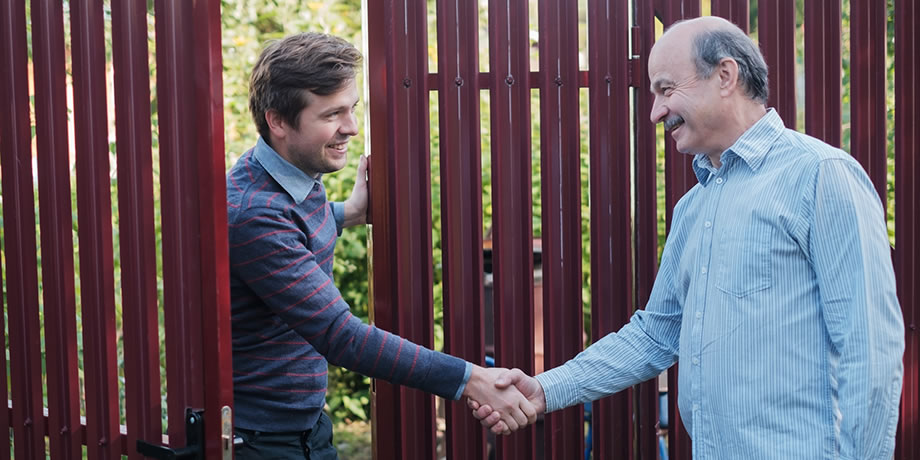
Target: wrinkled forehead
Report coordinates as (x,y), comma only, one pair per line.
(669,59)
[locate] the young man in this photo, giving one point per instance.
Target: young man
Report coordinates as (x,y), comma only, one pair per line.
(776,289)
(288,317)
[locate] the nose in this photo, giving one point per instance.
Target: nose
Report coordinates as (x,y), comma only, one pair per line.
(350,126)
(659,110)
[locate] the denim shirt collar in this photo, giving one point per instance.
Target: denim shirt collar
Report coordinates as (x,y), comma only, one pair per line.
(294,181)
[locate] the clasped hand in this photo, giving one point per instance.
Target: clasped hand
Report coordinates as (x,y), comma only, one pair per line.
(504,400)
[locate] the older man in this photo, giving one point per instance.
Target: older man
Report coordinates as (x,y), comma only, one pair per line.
(776,289)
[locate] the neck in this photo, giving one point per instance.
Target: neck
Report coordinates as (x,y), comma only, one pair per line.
(740,117)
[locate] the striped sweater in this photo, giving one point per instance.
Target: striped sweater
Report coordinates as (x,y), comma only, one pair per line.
(288,317)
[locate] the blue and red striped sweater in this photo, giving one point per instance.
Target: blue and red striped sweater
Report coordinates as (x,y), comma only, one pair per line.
(288,317)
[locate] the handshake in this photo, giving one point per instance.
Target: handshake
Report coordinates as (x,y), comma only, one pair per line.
(504,400)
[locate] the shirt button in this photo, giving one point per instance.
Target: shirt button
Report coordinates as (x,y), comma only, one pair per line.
(703,270)
(707,224)
(699,315)
(695,360)
(719,180)
(696,407)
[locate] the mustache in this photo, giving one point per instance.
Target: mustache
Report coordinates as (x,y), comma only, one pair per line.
(673,122)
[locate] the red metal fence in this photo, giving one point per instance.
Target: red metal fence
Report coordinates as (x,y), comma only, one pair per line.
(623,217)
(194,230)
(623,251)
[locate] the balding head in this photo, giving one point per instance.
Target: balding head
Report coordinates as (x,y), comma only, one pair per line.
(709,82)
(710,39)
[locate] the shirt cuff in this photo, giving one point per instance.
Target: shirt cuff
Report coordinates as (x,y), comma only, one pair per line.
(338,212)
(466,378)
(559,388)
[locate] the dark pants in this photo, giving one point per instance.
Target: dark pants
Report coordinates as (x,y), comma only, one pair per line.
(313,444)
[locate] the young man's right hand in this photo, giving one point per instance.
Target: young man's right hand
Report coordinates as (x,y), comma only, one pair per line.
(529,388)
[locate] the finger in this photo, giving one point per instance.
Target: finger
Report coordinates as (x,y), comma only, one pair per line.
(490,420)
(472,404)
(513,425)
(500,428)
(530,411)
(483,412)
(493,418)
(519,417)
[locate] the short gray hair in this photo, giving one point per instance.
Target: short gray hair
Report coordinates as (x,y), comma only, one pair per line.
(711,46)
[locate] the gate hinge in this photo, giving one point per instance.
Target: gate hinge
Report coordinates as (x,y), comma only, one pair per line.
(635,77)
(194,438)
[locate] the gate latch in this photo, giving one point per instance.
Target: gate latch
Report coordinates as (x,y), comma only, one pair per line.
(194,438)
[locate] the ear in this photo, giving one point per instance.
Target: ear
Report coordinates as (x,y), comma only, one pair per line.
(277,125)
(728,76)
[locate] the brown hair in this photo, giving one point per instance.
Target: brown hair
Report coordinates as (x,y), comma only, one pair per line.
(288,68)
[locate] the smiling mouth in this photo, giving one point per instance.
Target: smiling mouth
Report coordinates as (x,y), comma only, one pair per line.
(338,147)
(673,123)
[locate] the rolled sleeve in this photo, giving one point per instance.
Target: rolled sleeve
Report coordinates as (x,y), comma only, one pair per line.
(338,212)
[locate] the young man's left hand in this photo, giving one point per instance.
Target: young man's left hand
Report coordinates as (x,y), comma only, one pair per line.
(356,205)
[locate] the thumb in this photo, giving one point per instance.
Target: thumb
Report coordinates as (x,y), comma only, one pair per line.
(508,378)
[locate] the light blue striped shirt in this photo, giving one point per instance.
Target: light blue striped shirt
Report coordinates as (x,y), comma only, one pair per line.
(777,292)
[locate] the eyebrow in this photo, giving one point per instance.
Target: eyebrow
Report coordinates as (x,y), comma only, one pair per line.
(338,108)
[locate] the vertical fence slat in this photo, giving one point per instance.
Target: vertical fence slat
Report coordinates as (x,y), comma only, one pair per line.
(560,147)
(907,220)
(736,11)
(611,267)
(512,245)
(461,202)
(207,167)
(137,243)
(19,235)
(94,209)
(384,403)
(56,227)
(867,89)
(646,194)
(180,210)
(822,70)
(405,418)
(5,415)
(776,36)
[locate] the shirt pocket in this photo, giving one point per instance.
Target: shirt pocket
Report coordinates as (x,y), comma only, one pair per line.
(746,265)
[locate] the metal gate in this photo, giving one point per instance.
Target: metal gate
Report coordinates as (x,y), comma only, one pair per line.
(622,144)
(192,191)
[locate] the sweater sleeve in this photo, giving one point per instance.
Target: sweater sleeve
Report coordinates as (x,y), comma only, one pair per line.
(269,253)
